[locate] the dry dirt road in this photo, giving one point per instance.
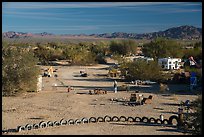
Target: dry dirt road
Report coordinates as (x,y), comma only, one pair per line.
(53,104)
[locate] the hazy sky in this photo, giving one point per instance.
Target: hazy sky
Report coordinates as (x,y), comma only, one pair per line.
(98,17)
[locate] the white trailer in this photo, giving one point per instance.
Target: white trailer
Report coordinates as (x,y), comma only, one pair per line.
(170,63)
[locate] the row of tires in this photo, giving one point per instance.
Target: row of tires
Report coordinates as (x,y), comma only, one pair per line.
(106,118)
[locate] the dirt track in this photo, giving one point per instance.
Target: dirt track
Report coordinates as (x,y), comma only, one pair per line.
(56,103)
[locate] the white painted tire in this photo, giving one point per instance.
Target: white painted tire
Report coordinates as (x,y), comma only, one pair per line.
(35,126)
(77,121)
(85,120)
(71,122)
(43,124)
(20,128)
(50,124)
(63,122)
(56,123)
(29,127)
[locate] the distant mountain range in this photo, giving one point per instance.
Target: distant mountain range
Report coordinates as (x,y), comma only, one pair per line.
(181,32)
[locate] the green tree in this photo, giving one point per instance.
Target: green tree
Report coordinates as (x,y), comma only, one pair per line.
(19,71)
(160,48)
(123,47)
(142,70)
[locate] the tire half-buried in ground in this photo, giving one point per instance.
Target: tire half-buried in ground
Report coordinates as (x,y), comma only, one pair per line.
(92,120)
(115,119)
(71,122)
(107,118)
(63,122)
(43,124)
(145,120)
(56,123)
(130,119)
(29,127)
(165,122)
(138,119)
(158,121)
(123,118)
(152,120)
(171,118)
(77,121)
(50,124)
(100,119)
(20,128)
(85,120)
(36,126)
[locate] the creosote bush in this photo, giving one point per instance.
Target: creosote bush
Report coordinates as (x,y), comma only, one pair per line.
(19,71)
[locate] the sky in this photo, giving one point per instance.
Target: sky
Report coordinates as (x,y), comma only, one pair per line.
(98,17)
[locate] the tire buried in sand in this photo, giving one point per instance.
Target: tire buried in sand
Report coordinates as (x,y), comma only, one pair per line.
(63,122)
(171,118)
(50,124)
(56,123)
(165,122)
(115,119)
(158,121)
(36,126)
(77,121)
(100,119)
(43,124)
(152,120)
(20,128)
(71,122)
(123,118)
(28,127)
(107,118)
(130,119)
(85,120)
(138,119)
(92,120)
(145,120)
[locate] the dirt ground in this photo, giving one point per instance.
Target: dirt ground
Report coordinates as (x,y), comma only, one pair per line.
(55,103)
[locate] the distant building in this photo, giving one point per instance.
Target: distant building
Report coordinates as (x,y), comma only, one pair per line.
(135,58)
(170,63)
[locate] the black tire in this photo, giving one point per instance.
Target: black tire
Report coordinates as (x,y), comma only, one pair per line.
(130,119)
(71,122)
(50,124)
(43,124)
(138,119)
(171,119)
(152,120)
(158,121)
(56,123)
(63,122)
(77,121)
(107,118)
(20,128)
(92,120)
(123,117)
(115,119)
(100,119)
(36,126)
(145,120)
(85,120)
(165,122)
(29,127)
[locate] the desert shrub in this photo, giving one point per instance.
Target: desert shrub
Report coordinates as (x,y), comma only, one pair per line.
(19,71)
(196,117)
(142,70)
(123,47)
(161,47)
